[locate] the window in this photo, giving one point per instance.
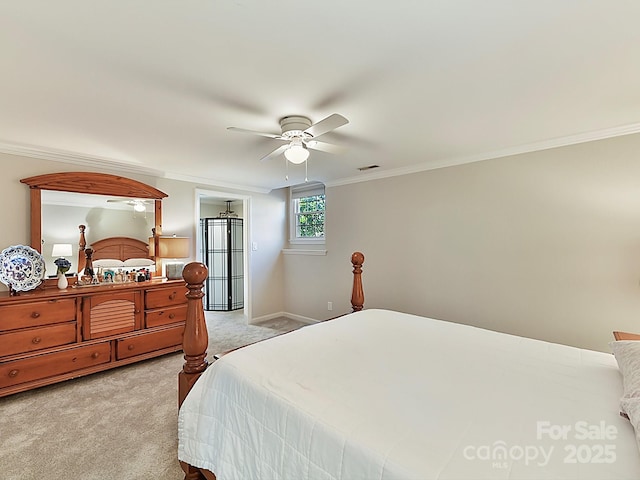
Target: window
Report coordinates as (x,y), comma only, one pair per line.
(307,214)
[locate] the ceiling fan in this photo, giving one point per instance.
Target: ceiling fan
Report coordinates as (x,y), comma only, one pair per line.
(138,204)
(300,135)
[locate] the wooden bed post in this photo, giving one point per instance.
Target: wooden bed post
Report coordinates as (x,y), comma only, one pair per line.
(82,244)
(196,338)
(357,294)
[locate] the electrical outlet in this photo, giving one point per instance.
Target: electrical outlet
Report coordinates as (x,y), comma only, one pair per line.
(329,306)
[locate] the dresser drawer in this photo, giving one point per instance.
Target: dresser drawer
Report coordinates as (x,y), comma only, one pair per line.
(50,364)
(165,316)
(139,344)
(37,313)
(30,339)
(165,297)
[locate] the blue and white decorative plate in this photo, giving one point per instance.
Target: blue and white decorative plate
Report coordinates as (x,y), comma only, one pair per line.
(21,267)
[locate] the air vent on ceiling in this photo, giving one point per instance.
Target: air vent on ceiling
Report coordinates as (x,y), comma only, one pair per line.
(362,169)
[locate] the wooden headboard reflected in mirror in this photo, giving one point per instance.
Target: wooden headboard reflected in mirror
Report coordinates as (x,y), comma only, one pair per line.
(92,184)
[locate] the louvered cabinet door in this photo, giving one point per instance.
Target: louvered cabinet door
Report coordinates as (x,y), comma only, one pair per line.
(109,314)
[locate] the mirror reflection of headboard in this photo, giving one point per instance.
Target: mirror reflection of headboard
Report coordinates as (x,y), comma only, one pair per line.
(120,248)
(88,183)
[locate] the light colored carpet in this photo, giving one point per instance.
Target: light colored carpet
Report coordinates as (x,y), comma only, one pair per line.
(120,424)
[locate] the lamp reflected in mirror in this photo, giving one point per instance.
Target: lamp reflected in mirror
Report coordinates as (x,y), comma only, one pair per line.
(62,250)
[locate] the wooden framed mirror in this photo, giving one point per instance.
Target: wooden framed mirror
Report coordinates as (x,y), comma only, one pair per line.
(92,184)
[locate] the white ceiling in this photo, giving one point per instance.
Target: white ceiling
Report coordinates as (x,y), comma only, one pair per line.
(152,86)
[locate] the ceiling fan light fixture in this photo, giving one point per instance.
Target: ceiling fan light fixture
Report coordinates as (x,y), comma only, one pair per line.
(297,153)
(139,207)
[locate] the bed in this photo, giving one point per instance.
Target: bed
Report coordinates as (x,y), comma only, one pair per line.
(387,395)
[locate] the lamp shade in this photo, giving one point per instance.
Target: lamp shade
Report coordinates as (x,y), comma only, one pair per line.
(173,247)
(61,250)
(297,153)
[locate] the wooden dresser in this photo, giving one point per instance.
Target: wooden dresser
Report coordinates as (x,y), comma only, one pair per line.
(51,335)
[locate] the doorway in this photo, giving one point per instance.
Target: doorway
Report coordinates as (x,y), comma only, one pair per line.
(210,204)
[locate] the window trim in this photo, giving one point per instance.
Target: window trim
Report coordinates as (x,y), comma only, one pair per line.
(301,191)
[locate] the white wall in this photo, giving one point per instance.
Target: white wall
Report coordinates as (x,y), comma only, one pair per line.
(267,221)
(545,245)
(268,231)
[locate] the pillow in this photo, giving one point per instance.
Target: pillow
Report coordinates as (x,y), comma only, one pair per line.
(139,262)
(627,353)
(632,408)
(107,262)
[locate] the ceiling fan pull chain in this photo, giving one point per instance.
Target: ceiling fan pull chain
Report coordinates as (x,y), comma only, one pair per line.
(286,167)
(306,171)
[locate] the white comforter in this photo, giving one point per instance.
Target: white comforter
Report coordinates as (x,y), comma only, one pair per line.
(386,395)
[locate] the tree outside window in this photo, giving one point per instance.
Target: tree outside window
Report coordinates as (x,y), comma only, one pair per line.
(309,214)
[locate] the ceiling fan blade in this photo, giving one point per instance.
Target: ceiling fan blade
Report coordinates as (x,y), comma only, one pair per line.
(325,147)
(323,126)
(253,132)
(276,152)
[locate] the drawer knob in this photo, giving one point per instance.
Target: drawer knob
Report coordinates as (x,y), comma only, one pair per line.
(172,296)
(13,373)
(130,347)
(172,315)
(95,355)
(36,340)
(35,315)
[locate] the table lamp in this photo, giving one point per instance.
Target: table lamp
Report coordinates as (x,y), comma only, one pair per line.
(173,248)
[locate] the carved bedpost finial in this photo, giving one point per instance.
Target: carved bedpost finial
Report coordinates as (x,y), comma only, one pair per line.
(196,338)
(357,293)
(82,243)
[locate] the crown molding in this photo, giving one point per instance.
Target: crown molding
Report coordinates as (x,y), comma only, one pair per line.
(75,158)
(102,163)
(215,183)
(507,152)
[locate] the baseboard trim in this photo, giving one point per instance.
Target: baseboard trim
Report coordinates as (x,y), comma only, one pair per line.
(292,316)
